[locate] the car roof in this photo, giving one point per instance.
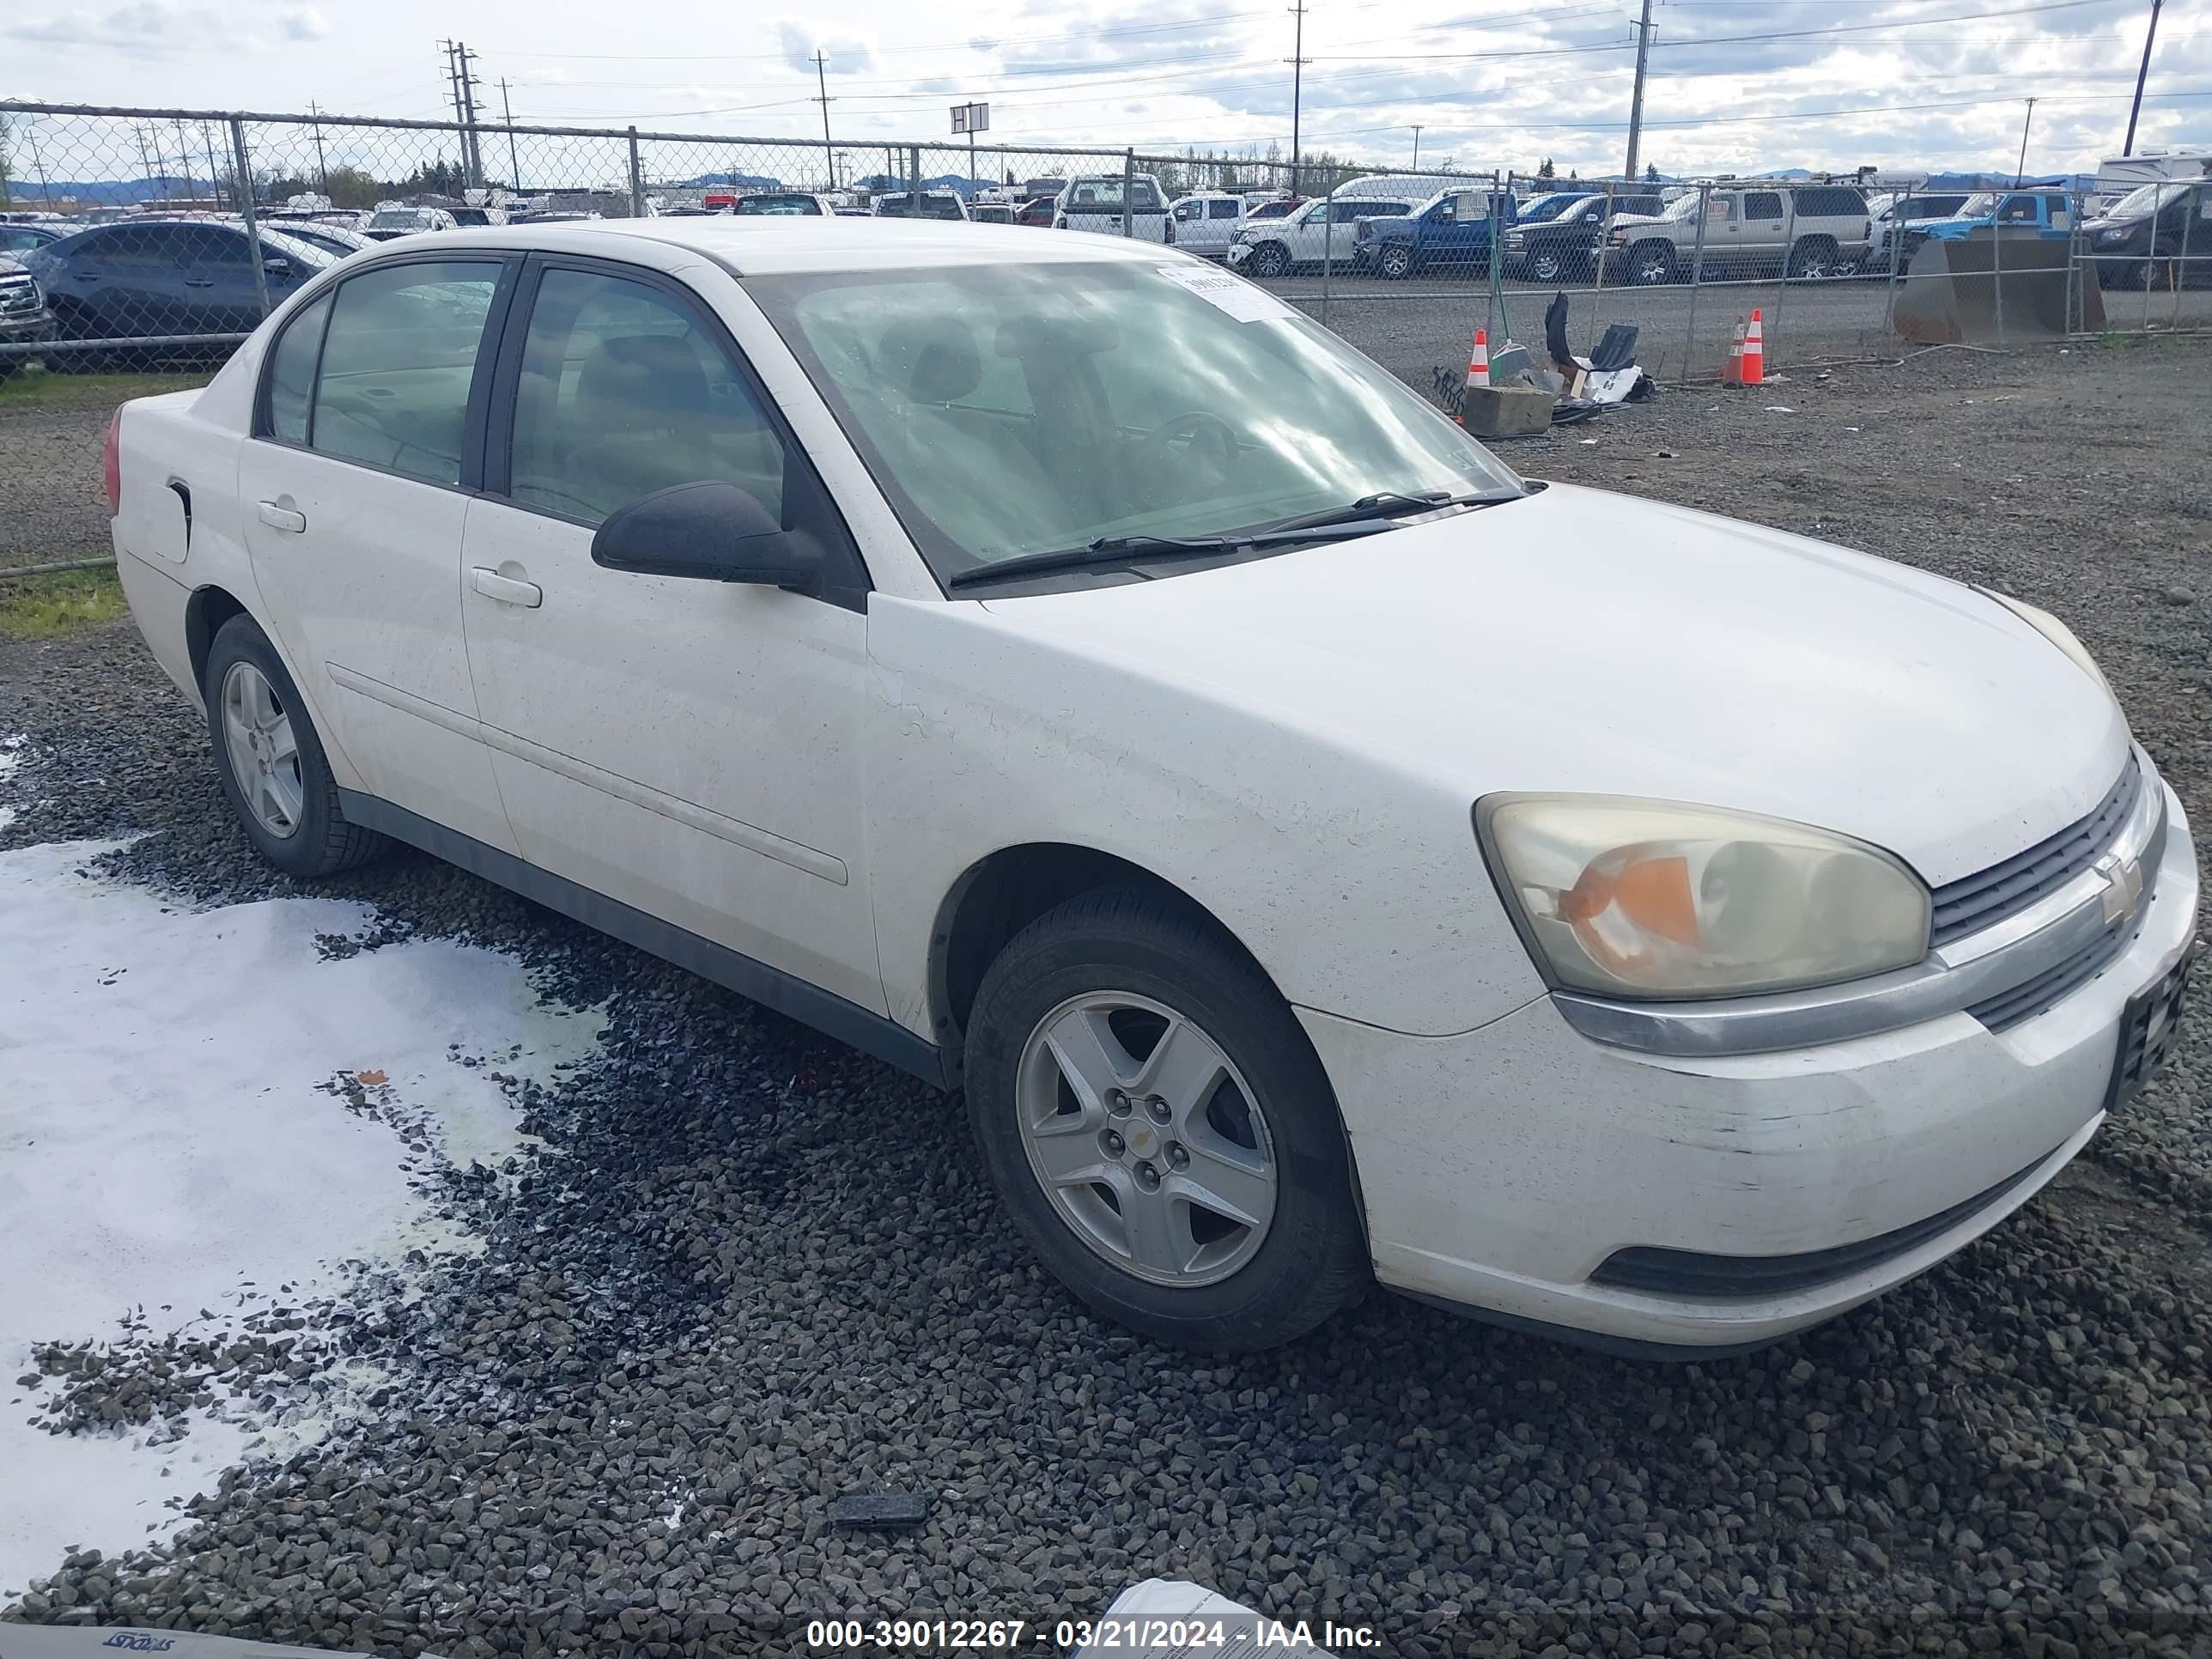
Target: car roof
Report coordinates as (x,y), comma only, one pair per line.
(769,244)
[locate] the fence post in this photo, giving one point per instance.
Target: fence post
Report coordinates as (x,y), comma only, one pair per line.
(2193,206)
(1495,318)
(1128,189)
(1697,279)
(1598,259)
(244,176)
(1896,239)
(1996,264)
(1328,251)
(636,180)
(913,181)
(1773,329)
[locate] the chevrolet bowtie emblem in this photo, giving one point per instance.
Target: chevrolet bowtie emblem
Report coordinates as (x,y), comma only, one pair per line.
(2123,887)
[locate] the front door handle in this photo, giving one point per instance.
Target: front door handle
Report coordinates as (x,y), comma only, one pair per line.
(278,517)
(199,281)
(508,590)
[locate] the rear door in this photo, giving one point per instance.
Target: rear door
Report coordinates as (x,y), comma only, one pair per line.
(1761,230)
(355,490)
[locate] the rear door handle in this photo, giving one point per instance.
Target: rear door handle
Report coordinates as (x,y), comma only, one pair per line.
(282,518)
(199,281)
(506,589)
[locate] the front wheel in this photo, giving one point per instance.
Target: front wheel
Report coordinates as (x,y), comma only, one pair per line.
(1395,262)
(1546,266)
(1151,1114)
(1650,264)
(1268,259)
(272,762)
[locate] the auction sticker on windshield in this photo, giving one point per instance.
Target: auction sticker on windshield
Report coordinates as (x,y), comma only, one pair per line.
(1233,295)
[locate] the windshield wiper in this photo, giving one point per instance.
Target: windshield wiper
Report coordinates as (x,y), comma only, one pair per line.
(1388,504)
(1126,549)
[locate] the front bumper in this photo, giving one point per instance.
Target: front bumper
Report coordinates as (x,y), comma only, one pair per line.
(1503,1168)
(27,328)
(1239,252)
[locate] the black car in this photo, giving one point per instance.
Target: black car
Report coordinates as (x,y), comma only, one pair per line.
(24,319)
(1562,247)
(152,279)
(2157,235)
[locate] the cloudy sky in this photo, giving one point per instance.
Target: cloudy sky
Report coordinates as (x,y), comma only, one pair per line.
(1734,84)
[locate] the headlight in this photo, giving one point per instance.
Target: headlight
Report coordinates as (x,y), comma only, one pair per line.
(1640,898)
(1620,239)
(2057,632)
(1515,239)
(2111,235)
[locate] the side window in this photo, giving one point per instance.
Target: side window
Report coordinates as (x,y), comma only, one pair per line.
(1221,209)
(622,393)
(2017,210)
(292,373)
(398,359)
(1144,197)
(204,245)
(137,246)
(1763,204)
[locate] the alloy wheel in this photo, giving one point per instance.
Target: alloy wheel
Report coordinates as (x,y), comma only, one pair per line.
(265,755)
(1146,1138)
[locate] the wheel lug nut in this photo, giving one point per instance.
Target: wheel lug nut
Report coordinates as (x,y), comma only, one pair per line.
(1147,1176)
(1178,1158)
(1117,1102)
(1113,1143)
(1159,1109)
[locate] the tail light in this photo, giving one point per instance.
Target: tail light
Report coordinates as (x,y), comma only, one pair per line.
(111,464)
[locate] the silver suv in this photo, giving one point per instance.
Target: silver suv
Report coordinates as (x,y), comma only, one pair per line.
(1809,233)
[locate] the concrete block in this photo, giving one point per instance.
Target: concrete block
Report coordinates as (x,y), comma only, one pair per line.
(1506,411)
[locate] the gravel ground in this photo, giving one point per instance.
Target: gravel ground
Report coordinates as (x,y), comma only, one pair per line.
(754,1271)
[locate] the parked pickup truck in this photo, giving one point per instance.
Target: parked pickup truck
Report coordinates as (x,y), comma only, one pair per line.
(1453,227)
(2048,212)
(1555,237)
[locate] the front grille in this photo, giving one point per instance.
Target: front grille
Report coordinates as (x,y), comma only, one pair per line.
(19,295)
(2024,1001)
(1974,902)
(1693,1272)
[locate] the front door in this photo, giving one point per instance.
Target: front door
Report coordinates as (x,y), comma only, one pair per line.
(353,506)
(688,748)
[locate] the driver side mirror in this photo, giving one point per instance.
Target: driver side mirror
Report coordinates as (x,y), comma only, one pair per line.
(709,531)
(277,266)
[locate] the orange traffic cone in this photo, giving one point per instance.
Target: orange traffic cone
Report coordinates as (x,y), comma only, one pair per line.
(1732,365)
(1477,365)
(1755,353)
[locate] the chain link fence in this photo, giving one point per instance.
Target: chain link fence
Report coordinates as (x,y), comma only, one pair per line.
(152,237)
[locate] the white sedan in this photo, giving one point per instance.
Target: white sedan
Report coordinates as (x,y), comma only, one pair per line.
(1061,669)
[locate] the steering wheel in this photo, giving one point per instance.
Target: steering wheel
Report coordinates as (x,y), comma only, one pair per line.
(1204,436)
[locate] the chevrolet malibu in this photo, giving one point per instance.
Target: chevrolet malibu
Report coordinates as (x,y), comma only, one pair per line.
(1064,671)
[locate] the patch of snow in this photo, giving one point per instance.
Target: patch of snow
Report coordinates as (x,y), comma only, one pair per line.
(172,1151)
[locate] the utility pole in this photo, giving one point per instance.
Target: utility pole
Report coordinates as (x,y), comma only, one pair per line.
(469,100)
(1636,99)
(2021,172)
(513,167)
(322,172)
(1298,70)
(464,109)
(1417,145)
(2136,108)
(822,86)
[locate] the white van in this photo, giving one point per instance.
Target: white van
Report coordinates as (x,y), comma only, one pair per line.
(1093,202)
(1207,223)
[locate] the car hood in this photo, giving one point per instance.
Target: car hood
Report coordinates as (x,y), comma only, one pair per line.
(1581,640)
(2091,227)
(1621,220)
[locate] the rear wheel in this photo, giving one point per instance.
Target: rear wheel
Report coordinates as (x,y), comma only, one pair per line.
(1652,263)
(1813,259)
(1153,1117)
(271,762)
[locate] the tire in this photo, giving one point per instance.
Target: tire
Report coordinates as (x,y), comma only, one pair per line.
(1113,973)
(1812,260)
(320,841)
(1548,266)
(1649,263)
(1395,262)
(1269,259)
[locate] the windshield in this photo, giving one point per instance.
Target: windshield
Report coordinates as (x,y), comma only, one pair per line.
(1976,206)
(1016,408)
(1549,207)
(1682,207)
(799,204)
(398,220)
(2145,199)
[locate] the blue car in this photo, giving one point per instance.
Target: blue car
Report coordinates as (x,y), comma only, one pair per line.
(149,279)
(1454,227)
(2050,213)
(22,239)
